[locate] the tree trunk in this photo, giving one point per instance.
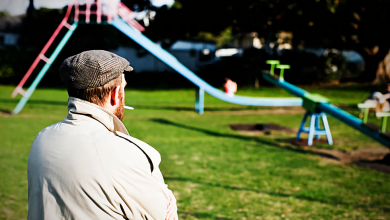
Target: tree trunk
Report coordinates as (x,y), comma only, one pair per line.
(383,71)
(31,8)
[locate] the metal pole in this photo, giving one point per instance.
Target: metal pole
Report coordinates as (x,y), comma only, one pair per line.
(199,101)
(384,124)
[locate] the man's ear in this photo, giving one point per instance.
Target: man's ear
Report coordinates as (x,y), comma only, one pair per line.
(114,96)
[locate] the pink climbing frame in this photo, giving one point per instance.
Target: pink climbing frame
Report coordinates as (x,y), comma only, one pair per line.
(122,10)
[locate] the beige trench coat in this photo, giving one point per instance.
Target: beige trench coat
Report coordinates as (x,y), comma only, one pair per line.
(88,167)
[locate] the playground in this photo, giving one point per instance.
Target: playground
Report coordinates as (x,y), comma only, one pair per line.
(214,171)
(276,152)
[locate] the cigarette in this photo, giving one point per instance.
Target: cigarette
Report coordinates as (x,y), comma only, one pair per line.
(128,107)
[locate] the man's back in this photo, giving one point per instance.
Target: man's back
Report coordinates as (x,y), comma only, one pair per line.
(88,167)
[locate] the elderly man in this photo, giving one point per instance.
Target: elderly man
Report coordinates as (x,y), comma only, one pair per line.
(88,166)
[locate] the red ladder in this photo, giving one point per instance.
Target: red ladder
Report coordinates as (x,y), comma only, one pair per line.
(41,56)
(122,11)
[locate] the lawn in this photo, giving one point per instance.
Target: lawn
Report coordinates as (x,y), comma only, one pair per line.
(216,172)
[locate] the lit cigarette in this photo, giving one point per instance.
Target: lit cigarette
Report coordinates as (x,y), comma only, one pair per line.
(128,107)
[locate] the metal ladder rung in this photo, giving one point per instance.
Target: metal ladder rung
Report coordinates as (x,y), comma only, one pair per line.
(44,58)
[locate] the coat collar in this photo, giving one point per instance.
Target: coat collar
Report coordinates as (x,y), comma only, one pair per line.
(82,107)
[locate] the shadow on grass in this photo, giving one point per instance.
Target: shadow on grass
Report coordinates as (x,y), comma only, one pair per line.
(175,108)
(204,215)
(5,112)
(185,108)
(230,108)
(48,102)
(32,101)
(213,133)
(267,142)
(241,137)
(283,195)
(345,106)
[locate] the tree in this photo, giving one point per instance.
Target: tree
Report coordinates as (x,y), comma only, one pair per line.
(358,25)
(30,8)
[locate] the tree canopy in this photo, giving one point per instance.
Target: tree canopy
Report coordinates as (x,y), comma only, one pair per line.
(329,23)
(359,25)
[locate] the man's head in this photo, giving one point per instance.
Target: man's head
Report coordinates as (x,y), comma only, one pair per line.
(97,76)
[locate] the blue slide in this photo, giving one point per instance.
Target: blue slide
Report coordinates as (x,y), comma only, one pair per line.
(172,62)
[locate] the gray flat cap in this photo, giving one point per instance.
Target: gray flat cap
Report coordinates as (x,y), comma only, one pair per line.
(93,68)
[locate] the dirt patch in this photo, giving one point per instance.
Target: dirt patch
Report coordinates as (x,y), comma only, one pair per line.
(360,155)
(375,166)
(302,142)
(256,129)
(374,158)
(291,111)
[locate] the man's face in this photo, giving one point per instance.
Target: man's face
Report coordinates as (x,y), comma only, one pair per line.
(121,98)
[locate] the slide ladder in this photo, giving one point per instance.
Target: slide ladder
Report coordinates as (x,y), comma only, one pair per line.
(41,55)
(49,61)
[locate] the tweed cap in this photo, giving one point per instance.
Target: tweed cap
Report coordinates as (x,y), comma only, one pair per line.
(93,68)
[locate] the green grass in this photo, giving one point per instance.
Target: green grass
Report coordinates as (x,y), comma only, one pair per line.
(215,172)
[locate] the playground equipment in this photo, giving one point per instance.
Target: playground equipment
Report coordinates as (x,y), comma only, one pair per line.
(366,109)
(309,103)
(282,68)
(384,116)
(125,23)
(272,63)
(317,106)
(314,128)
(172,62)
(123,11)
